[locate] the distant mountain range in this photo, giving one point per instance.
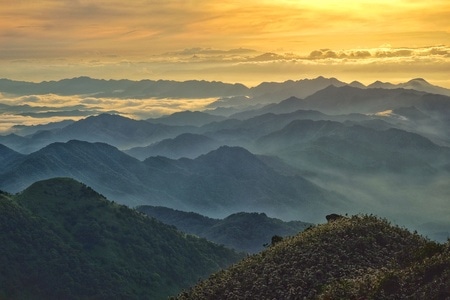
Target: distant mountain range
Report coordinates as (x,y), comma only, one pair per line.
(112,129)
(264,92)
(187,118)
(62,240)
(345,102)
(246,232)
(404,137)
(7,156)
(227,180)
(187,145)
(327,144)
(124,88)
(418,84)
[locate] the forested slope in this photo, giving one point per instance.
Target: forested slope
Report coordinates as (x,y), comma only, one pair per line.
(62,240)
(361,257)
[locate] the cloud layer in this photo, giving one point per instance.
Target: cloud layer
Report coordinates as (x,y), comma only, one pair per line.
(42,109)
(232,41)
(251,66)
(80,29)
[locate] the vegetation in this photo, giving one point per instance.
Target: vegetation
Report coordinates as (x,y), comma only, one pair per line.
(62,240)
(361,257)
(246,232)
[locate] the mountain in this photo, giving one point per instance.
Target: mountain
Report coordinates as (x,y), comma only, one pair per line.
(361,257)
(277,91)
(245,232)
(418,84)
(347,99)
(411,113)
(115,130)
(25,130)
(273,92)
(223,181)
(355,147)
(124,88)
(187,118)
(13,141)
(7,155)
(357,84)
(231,179)
(412,119)
(294,107)
(62,240)
(245,132)
(225,105)
(100,165)
(381,85)
(185,145)
(374,168)
(286,106)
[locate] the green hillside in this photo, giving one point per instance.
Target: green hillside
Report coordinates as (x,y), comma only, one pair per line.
(361,257)
(62,240)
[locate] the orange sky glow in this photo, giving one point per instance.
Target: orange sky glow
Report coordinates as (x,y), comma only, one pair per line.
(227,40)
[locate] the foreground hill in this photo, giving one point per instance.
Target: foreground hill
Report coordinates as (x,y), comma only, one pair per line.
(62,240)
(361,257)
(241,231)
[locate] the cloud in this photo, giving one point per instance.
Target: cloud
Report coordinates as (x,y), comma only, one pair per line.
(359,54)
(385,51)
(323,53)
(395,53)
(267,57)
(9,120)
(53,108)
(210,51)
(87,29)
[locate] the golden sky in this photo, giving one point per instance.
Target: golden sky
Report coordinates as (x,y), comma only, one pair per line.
(235,41)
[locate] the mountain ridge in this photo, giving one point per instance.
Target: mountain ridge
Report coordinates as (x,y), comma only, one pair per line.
(348,258)
(243,231)
(225,180)
(194,88)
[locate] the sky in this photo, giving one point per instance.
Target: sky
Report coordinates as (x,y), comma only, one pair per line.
(248,41)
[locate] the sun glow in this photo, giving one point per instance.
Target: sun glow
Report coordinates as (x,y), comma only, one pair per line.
(54,39)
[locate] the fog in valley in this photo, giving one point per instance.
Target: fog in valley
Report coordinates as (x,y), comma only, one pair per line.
(329,147)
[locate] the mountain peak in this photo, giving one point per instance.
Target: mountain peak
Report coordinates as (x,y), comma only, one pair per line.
(357,84)
(61,222)
(419,79)
(227,151)
(71,144)
(234,161)
(44,194)
(417,82)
